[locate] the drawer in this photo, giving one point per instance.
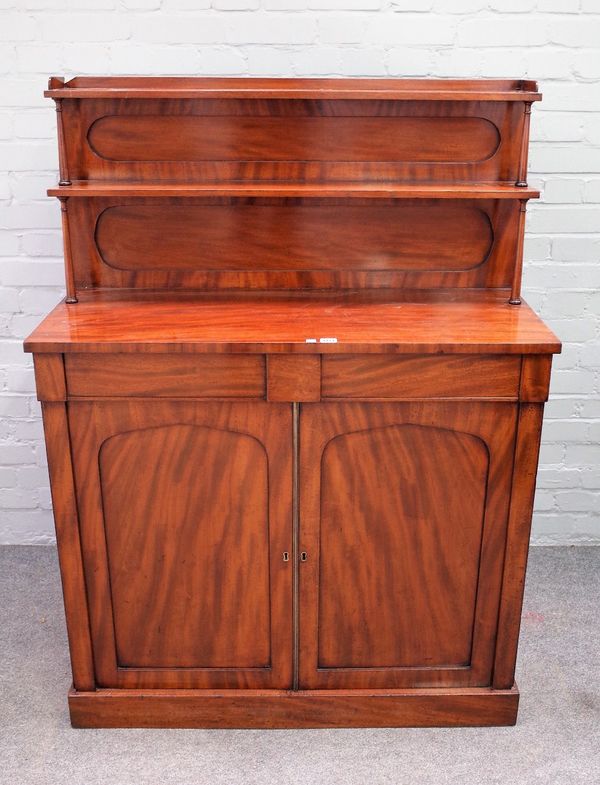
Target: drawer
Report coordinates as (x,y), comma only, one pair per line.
(416,376)
(166,376)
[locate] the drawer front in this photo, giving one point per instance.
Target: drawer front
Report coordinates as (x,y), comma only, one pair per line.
(412,376)
(165,376)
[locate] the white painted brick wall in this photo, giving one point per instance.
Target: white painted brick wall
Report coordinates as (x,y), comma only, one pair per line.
(554,41)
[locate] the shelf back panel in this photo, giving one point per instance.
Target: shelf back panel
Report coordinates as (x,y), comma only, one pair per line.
(213,243)
(211,140)
(288,166)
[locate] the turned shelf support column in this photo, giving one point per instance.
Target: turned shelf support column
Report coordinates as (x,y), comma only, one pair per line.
(62,154)
(69,274)
(54,83)
(522,176)
(515,292)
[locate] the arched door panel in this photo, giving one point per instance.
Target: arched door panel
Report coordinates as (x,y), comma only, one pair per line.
(184,521)
(403,540)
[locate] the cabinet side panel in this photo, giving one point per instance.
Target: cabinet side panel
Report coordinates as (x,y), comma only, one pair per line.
(517,543)
(50,377)
(56,431)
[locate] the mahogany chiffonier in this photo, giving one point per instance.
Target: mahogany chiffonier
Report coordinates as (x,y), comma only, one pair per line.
(292,400)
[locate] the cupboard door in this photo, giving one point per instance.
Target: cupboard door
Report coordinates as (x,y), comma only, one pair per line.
(403,514)
(185,514)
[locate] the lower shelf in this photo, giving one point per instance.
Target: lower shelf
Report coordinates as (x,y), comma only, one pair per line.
(477,706)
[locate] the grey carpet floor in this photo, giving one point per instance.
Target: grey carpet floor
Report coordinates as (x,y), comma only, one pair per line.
(556,740)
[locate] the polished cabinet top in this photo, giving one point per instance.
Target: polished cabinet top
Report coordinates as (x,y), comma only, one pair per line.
(376,321)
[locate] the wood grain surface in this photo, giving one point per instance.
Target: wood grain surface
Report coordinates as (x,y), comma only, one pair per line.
(185,512)
(318,140)
(404,510)
(68,540)
(164,376)
(292,420)
(293,377)
(527,449)
(367,190)
(291,138)
(406,322)
(461,375)
(236,243)
(50,381)
(287,236)
(301,709)
(194,87)
(385,504)
(189,570)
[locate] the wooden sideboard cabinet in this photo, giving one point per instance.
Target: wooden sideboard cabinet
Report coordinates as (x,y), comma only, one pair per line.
(292,400)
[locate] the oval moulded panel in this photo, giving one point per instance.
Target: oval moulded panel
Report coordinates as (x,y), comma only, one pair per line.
(128,138)
(244,237)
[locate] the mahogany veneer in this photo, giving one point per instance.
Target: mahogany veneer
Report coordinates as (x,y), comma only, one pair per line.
(473,322)
(292,401)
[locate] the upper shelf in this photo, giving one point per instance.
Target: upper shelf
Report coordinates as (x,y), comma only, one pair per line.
(252,130)
(87,188)
(351,89)
(374,183)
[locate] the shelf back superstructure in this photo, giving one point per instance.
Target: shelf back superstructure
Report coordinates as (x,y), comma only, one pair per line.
(277,184)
